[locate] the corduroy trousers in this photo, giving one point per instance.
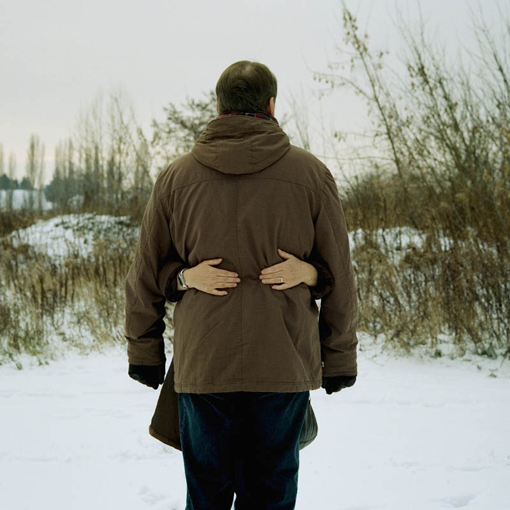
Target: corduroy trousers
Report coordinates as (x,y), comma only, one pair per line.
(243,443)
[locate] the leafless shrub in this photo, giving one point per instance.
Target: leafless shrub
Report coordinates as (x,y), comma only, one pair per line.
(442,134)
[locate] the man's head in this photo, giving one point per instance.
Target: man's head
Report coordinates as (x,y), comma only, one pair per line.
(246,86)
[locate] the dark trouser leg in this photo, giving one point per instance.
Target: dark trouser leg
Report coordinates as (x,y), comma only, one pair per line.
(272,428)
(208,426)
(240,502)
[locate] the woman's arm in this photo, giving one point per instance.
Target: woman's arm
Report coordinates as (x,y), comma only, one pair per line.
(313,272)
(174,291)
(325,281)
(203,277)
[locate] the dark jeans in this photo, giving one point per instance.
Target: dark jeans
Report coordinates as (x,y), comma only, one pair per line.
(242,442)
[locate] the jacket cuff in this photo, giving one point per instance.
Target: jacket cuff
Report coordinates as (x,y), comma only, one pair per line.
(336,362)
(325,281)
(146,351)
(172,293)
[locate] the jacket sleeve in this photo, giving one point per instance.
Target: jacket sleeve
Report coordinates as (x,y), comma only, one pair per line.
(154,263)
(325,280)
(172,293)
(338,316)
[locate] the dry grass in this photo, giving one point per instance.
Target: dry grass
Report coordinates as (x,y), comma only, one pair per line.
(50,304)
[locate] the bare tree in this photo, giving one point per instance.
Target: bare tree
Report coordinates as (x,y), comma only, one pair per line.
(112,152)
(11,173)
(300,120)
(182,126)
(443,168)
(34,165)
(2,161)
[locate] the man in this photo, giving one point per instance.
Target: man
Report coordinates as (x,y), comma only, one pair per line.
(245,359)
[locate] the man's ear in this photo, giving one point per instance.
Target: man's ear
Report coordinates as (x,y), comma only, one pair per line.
(271,106)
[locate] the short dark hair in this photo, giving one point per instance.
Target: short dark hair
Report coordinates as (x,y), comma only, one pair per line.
(245,86)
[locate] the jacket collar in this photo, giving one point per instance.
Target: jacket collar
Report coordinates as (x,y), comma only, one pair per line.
(241,144)
(259,115)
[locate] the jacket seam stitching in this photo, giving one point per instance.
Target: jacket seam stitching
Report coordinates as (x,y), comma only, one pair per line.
(251,178)
(323,184)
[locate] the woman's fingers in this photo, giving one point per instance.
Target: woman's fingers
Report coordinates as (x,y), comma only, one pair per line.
(273,269)
(277,283)
(224,284)
(232,283)
(282,286)
(272,279)
(218,292)
(225,273)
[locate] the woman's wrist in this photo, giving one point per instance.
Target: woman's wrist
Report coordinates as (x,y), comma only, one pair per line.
(186,277)
(313,275)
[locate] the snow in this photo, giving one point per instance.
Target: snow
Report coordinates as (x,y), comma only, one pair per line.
(74,235)
(396,242)
(411,433)
(21,199)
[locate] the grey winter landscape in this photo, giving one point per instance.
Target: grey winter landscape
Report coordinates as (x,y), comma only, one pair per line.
(407,104)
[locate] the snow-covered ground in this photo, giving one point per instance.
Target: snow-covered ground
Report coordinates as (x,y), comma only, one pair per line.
(412,433)
(24,199)
(74,235)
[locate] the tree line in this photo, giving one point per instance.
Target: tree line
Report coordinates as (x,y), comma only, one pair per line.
(106,165)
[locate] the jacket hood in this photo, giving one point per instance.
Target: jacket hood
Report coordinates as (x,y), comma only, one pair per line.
(240,144)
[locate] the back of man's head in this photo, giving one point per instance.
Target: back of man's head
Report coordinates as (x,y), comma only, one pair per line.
(245,86)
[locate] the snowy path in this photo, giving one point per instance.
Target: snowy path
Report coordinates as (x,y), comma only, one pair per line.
(411,434)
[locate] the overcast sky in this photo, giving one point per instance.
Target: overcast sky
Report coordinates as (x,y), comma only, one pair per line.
(56,55)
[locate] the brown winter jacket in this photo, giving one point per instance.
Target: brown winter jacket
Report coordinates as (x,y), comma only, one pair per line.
(241,193)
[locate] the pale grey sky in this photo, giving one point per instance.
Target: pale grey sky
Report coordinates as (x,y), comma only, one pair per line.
(56,55)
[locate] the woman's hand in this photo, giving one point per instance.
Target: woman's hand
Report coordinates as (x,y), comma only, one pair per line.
(294,271)
(206,278)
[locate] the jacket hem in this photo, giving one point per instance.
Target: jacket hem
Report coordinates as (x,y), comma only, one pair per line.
(254,386)
(164,439)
